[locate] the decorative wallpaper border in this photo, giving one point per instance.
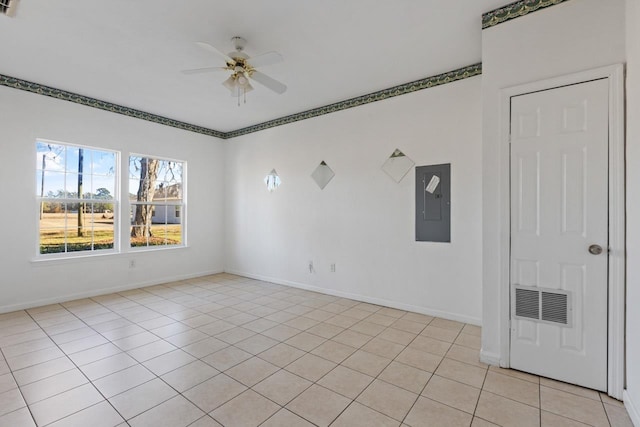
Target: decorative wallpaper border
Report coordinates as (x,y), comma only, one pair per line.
(515,10)
(103,105)
(403,89)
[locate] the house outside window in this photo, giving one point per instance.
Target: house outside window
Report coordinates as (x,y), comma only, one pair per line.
(156,196)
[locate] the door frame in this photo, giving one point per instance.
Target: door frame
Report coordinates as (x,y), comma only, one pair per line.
(616,265)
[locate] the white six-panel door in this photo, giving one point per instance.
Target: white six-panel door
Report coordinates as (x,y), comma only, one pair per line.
(559,208)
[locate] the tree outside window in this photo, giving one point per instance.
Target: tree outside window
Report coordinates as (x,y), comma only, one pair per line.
(156,189)
(75,191)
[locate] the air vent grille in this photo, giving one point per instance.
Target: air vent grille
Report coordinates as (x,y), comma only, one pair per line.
(527,303)
(554,307)
(7,7)
(542,304)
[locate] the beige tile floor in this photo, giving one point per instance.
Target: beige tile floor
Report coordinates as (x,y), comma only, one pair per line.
(226,350)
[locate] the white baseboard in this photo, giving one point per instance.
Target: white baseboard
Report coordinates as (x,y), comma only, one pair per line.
(363,298)
(633,408)
(490,358)
(102,291)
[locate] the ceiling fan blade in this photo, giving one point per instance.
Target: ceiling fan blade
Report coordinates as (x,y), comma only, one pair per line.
(203,70)
(209,48)
(268,82)
(265,59)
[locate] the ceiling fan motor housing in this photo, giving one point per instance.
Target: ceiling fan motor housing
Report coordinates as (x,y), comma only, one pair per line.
(238,43)
(238,63)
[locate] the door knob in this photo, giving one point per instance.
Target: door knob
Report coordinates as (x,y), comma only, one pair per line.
(595,249)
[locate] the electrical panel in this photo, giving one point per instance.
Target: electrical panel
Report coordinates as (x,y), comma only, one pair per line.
(433,203)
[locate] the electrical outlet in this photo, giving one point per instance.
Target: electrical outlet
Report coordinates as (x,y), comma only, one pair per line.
(333,267)
(132,263)
(310,266)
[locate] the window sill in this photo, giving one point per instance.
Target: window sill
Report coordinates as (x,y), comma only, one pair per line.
(59,258)
(142,249)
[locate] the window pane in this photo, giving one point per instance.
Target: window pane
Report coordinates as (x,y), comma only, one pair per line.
(83,224)
(160,192)
(139,239)
(134,184)
(103,163)
(166,234)
(79,243)
(155,185)
(172,218)
(50,157)
(174,234)
(134,167)
(103,226)
(52,240)
(50,184)
(173,191)
(102,187)
(71,185)
(141,225)
(72,156)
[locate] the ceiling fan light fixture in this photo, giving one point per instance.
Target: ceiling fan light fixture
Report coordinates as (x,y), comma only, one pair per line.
(231,84)
(240,90)
(242,69)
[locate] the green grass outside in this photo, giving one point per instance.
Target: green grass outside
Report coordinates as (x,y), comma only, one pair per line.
(53,241)
(173,236)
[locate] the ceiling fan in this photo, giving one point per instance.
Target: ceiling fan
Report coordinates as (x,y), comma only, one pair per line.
(243,69)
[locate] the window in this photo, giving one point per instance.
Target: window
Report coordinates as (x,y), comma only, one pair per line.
(76,194)
(156,196)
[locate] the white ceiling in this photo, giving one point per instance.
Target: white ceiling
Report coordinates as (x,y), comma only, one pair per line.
(131,52)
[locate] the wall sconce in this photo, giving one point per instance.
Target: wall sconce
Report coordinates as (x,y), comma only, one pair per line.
(397,165)
(272,180)
(322,175)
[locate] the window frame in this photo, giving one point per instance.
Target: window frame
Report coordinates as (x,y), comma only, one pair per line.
(115,202)
(167,204)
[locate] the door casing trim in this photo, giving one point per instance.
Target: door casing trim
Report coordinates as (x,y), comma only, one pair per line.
(617,254)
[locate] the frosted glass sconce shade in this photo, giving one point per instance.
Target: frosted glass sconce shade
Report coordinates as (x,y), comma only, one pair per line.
(272,180)
(397,165)
(322,175)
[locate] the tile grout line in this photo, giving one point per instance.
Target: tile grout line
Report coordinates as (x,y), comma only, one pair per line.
(540,403)
(158,376)
(309,352)
(377,376)
(138,362)
(392,360)
(484,380)
(19,390)
(199,359)
(81,371)
(239,298)
(120,370)
(306,353)
(432,374)
(313,308)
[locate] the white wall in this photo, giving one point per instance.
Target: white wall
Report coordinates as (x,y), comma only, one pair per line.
(363,221)
(570,37)
(23,282)
(632,397)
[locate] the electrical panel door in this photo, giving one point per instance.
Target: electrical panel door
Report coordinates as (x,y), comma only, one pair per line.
(433,203)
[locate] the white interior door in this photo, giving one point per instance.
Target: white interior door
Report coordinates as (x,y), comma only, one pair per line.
(559,223)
